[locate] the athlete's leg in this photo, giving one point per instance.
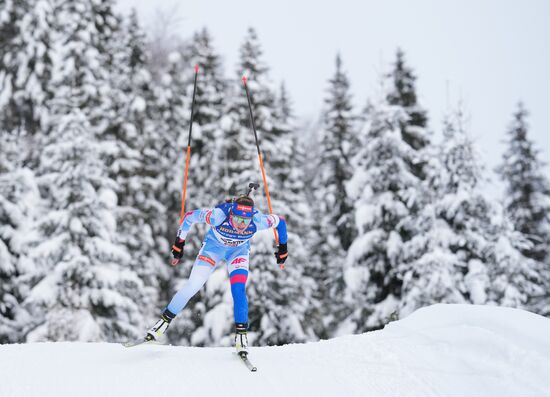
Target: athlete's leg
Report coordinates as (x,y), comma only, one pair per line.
(237,267)
(203,267)
(199,274)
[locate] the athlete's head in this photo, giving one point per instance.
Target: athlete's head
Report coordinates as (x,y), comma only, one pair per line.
(241,213)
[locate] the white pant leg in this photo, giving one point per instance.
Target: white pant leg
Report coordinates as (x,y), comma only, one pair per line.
(198,277)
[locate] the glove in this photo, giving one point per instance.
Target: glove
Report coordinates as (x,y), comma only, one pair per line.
(177,250)
(281,254)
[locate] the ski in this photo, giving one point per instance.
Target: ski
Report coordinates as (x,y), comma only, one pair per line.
(246,361)
(139,342)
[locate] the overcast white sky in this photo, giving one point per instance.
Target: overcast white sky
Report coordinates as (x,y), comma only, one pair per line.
(489,53)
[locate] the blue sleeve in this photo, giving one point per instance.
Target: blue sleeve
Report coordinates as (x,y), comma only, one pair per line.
(212,217)
(281,230)
(264,221)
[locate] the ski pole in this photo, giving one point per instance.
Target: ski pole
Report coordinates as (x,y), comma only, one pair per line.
(260,158)
(188,155)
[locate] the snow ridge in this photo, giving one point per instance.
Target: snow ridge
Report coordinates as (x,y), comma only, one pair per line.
(441,350)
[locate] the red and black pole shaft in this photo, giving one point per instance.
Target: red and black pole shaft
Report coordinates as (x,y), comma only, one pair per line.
(253,123)
(188,156)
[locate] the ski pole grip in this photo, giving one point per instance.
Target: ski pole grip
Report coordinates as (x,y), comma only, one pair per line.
(175,262)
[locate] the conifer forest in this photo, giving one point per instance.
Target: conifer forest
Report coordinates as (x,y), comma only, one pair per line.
(386,210)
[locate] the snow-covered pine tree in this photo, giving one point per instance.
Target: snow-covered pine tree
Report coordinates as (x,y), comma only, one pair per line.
(455,231)
(527,187)
(19,197)
(205,183)
(280,317)
(292,193)
(239,149)
(107,23)
(339,142)
(403,93)
(413,122)
(516,280)
(334,209)
(25,70)
(83,289)
(527,201)
(132,163)
(380,188)
(9,297)
(10,14)
(306,160)
(389,192)
(173,111)
(296,283)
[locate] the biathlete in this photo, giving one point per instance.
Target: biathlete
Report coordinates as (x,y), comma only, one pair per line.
(232,225)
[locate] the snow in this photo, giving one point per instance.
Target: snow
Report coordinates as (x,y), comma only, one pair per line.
(174,57)
(441,350)
(475,280)
(139,105)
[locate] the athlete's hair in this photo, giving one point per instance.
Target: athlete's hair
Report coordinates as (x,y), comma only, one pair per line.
(245,200)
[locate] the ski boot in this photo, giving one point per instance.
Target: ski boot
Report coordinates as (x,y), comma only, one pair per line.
(159,329)
(241,341)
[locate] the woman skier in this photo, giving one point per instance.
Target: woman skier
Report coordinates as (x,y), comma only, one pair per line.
(232,225)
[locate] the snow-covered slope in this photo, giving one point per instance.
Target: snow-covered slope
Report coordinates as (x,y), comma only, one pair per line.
(442,350)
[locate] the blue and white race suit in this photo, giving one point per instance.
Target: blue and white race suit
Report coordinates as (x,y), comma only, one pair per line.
(223,243)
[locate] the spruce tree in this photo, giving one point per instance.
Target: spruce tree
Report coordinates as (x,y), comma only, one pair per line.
(284,294)
(132,162)
(206,180)
(338,143)
(403,94)
(380,186)
(83,289)
(390,193)
(19,197)
(516,280)
(25,70)
(300,321)
(86,289)
(408,185)
(173,111)
(167,146)
(455,230)
(239,149)
(334,227)
(527,187)
(527,200)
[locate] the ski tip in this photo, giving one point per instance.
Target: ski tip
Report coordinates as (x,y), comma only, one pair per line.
(197,68)
(132,343)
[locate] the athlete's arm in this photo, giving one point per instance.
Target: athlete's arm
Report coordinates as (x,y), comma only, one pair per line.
(212,217)
(264,221)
